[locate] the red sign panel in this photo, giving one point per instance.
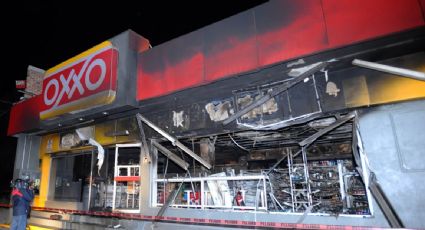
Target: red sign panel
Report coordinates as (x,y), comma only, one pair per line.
(83,82)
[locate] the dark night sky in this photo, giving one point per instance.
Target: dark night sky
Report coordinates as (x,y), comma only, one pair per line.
(45,33)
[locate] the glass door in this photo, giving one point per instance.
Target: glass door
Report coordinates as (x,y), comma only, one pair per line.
(126,190)
(102,182)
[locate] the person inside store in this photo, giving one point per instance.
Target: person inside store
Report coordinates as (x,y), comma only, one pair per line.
(22,196)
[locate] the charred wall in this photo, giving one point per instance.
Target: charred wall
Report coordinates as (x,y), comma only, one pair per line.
(340,86)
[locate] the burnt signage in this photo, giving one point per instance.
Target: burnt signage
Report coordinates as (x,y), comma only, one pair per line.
(83,82)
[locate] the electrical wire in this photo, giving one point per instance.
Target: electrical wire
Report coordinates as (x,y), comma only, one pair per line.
(243,148)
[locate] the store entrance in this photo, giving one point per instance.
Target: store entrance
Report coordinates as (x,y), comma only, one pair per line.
(102,181)
(115,186)
(126,189)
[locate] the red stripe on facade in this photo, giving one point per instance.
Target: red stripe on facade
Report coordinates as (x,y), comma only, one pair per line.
(274,32)
(127,178)
(352,21)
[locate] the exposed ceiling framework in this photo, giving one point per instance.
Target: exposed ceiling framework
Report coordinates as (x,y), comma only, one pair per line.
(268,145)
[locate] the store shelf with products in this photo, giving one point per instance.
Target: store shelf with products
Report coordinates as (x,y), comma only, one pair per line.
(336,188)
(285,180)
(331,187)
(355,198)
(325,185)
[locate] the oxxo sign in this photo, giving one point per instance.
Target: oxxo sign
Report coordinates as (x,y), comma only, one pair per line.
(83,82)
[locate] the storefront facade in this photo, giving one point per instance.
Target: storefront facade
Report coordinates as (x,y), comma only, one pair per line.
(124,128)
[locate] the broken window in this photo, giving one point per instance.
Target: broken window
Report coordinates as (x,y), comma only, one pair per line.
(292,169)
(70,174)
(76,178)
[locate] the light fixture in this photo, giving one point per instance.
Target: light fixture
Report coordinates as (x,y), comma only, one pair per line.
(117,133)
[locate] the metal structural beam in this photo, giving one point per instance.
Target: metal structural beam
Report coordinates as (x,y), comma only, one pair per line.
(384,204)
(331,127)
(278,162)
(174,141)
(270,95)
(145,147)
(173,157)
(314,137)
(390,69)
(167,203)
(213,178)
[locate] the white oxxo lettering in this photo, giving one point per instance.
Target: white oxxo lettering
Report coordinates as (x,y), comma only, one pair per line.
(62,87)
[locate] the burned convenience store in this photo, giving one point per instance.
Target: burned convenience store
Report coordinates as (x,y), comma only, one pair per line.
(280,116)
